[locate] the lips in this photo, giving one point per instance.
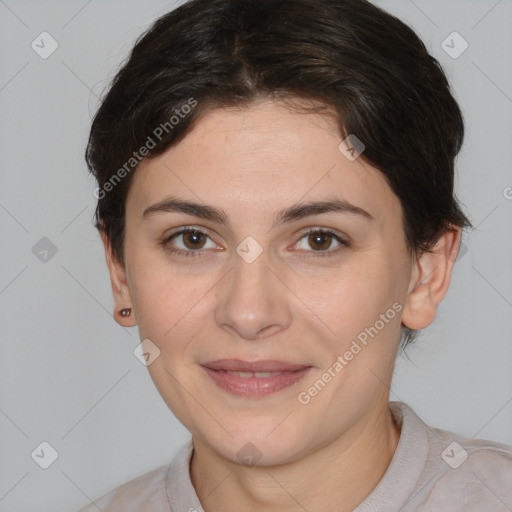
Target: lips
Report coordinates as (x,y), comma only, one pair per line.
(237,365)
(254,379)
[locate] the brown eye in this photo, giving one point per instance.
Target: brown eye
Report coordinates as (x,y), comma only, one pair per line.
(189,242)
(320,240)
(193,239)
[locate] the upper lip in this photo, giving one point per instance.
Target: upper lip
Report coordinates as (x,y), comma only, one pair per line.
(268,365)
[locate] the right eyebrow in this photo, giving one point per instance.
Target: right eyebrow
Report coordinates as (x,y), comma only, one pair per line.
(172,204)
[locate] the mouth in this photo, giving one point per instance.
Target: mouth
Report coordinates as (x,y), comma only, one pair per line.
(254,379)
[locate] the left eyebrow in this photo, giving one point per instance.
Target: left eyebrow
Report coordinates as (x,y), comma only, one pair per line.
(302,210)
(219,216)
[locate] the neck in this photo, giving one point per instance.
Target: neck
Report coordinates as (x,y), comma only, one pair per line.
(340,475)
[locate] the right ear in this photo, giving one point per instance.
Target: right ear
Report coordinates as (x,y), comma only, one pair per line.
(120,289)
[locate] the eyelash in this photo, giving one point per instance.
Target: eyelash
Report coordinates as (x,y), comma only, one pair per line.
(195,254)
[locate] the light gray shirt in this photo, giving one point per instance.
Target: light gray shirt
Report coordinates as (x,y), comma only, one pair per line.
(431,470)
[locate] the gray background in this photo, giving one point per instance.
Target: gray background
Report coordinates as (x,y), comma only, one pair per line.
(68,373)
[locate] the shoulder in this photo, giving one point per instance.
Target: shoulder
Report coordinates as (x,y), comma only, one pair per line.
(480,468)
(463,472)
(458,451)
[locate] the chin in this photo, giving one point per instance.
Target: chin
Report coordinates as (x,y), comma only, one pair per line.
(254,442)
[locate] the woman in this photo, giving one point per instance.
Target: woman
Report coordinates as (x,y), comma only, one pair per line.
(276,202)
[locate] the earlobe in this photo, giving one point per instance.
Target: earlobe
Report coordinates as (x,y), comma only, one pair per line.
(120,289)
(125,317)
(430,280)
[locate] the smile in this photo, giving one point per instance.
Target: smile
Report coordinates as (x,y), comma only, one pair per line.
(254,380)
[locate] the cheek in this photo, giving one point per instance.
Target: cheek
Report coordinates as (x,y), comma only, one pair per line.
(361,304)
(354,294)
(168,305)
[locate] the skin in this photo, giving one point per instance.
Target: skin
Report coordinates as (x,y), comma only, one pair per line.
(289,304)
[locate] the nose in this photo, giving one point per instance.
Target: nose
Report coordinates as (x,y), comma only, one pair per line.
(253,302)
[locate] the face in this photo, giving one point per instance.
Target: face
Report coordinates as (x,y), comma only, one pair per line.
(313,296)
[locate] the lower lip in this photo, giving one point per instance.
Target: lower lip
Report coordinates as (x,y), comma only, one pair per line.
(254,387)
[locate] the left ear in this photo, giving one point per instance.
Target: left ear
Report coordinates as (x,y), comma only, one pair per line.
(430,280)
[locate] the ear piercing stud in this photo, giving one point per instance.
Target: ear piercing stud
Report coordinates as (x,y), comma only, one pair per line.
(126,312)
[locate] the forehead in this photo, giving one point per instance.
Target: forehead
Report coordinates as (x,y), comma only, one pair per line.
(259,159)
